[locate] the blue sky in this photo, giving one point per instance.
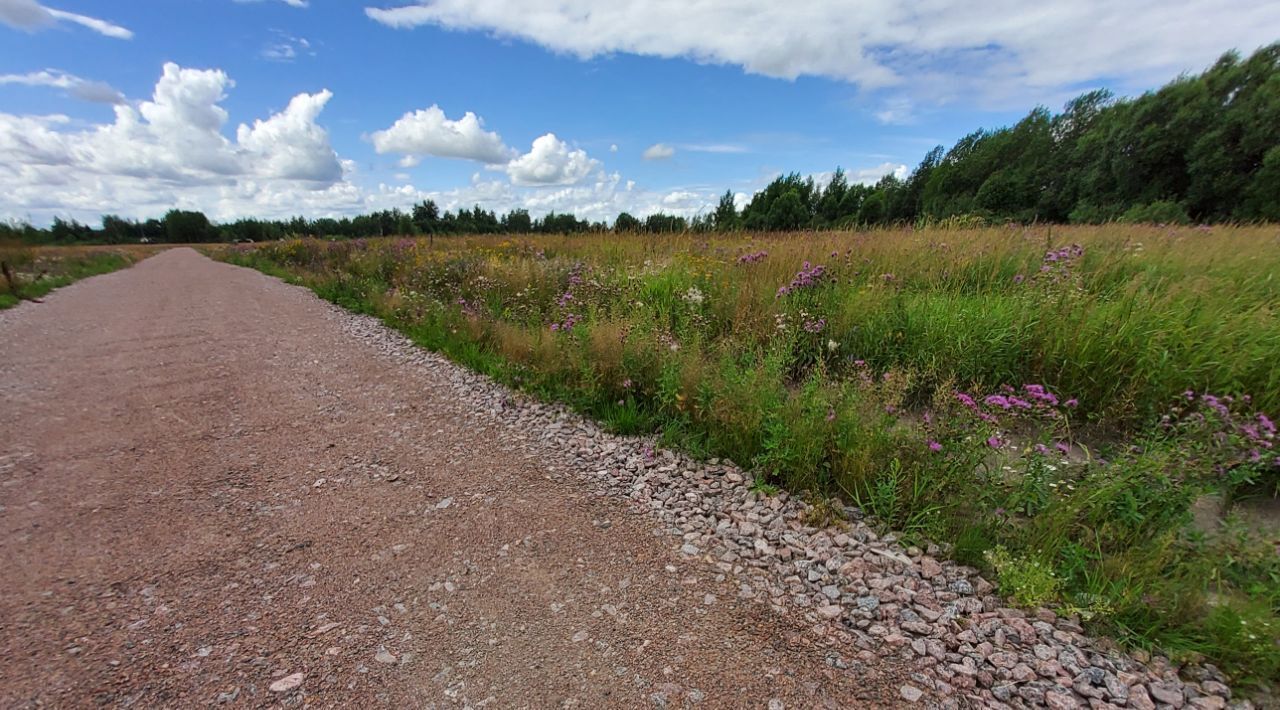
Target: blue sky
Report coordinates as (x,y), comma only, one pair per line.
(133,108)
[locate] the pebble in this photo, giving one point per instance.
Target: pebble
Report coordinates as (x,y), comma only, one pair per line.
(384,656)
(444,504)
(910,693)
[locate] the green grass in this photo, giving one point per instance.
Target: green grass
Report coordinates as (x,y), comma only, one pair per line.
(38,272)
(848,387)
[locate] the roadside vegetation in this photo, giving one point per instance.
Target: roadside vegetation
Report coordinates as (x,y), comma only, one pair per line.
(1085,412)
(30,273)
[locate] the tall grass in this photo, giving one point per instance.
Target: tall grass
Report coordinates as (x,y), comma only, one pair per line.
(880,367)
(36,271)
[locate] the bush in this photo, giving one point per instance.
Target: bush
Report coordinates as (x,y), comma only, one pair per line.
(1159,212)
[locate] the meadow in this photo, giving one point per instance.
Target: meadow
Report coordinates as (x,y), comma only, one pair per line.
(33,272)
(1082,411)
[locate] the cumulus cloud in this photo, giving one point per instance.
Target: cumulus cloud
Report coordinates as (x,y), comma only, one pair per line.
(169,150)
(84,89)
(551,161)
(31,16)
(658,151)
(430,132)
(925,48)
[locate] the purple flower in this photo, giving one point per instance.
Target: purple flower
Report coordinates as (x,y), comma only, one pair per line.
(996,400)
(1072,403)
(1019,279)
(934,446)
(994,442)
(831,415)
(966,400)
(1063,446)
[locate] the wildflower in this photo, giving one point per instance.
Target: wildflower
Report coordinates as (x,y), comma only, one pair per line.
(832,345)
(994,442)
(934,446)
(626,384)
(1063,446)
(694,296)
(1072,403)
(831,415)
(966,400)
(1019,278)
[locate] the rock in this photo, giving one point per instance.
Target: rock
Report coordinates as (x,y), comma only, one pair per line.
(1139,699)
(1055,700)
(444,504)
(910,693)
(929,568)
(286,683)
(775,704)
(709,599)
(1167,692)
(868,604)
(580,636)
(384,656)
(830,611)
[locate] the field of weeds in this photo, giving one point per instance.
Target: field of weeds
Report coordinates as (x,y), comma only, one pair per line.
(30,273)
(1084,412)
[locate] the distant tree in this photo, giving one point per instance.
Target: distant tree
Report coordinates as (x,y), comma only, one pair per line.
(788,212)
(517,221)
(626,223)
(659,222)
(725,217)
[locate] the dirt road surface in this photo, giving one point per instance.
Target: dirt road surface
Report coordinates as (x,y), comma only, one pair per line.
(211,494)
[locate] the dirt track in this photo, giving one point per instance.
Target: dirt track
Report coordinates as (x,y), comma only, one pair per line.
(208,486)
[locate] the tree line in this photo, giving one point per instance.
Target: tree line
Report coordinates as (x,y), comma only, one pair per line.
(1202,148)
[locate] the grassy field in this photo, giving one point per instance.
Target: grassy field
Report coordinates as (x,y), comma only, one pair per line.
(1081,411)
(38,270)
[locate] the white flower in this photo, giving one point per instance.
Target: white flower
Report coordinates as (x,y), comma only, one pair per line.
(833,345)
(694,296)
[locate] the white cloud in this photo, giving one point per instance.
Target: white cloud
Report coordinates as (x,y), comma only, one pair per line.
(286,48)
(551,162)
(872,175)
(30,15)
(171,151)
(430,132)
(658,151)
(84,89)
(938,51)
(613,148)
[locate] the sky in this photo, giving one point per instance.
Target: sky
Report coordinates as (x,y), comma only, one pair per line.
(275,108)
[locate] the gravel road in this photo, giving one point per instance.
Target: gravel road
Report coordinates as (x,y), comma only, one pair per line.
(213,493)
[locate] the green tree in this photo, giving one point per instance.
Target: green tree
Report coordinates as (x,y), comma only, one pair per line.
(788,212)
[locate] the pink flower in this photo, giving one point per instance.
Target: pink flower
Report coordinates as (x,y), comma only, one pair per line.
(934,446)
(995,442)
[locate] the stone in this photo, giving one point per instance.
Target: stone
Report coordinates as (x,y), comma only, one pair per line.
(1056,700)
(444,504)
(1139,699)
(910,693)
(830,611)
(384,656)
(287,683)
(1167,692)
